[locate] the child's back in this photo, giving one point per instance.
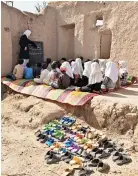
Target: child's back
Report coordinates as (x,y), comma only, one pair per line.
(28,72)
(37,70)
(64,81)
(19,70)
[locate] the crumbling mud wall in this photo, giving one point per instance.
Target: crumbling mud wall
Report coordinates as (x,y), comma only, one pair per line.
(119,20)
(68,29)
(14,23)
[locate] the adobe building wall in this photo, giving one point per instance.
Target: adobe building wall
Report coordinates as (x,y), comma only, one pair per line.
(119,20)
(43,29)
(6,47)
(67,29)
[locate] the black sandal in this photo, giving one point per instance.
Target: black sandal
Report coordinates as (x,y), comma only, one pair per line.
(123,159)
(102,154)
(53,158)
(95,162)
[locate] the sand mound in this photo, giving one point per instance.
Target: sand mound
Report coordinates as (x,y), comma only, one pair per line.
(29,112)
(117,117)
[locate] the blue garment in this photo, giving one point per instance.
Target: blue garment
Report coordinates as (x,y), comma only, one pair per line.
(28,73)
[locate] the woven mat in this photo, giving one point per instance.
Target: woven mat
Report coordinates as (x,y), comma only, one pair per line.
(29,87)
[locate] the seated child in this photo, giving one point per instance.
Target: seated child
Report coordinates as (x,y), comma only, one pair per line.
(48,63)
(123,73)
(28,71)
(64,79)
(53,76)
(76,73)
(43,75)
(37,70)
(17,72)
(111,76)
(58,66)
(86,74)
(69,72)
(95,79)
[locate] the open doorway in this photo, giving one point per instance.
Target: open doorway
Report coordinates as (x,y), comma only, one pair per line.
(105,44)
(68,40)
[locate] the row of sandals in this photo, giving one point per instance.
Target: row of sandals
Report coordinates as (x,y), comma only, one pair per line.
(73,143)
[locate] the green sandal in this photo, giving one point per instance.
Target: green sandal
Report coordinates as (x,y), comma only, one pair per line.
(58,134)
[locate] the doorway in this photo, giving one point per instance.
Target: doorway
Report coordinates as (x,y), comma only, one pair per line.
(70,43)
(66,44)
(105,44)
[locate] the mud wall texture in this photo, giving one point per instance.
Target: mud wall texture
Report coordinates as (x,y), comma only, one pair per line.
(68,29)
(14,23)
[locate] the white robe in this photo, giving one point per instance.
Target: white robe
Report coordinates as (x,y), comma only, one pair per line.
(96,74)
(87,69)
(102,63)
(67,66)
(123,67)
(75,68)
(112,71)
(79,64)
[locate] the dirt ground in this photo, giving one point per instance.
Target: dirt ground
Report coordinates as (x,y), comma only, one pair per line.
(22,155)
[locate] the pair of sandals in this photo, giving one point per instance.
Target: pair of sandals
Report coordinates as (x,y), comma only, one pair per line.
(58,134)
(91,134)
(68,121)
(88,167)
(67,157)
(100,153)
(52,157)
(120,158)
(83,130)
(40,136)
(101,166)
(74,148)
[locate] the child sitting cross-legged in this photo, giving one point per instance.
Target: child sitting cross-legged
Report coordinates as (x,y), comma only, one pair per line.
(64,79)
(53,76)
(43,76)
(17,71)
(37,70)
(28,71)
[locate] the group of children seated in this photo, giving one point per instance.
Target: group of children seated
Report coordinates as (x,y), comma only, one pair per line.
(88,76)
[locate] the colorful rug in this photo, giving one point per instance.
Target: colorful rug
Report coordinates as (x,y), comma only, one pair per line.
(29,87)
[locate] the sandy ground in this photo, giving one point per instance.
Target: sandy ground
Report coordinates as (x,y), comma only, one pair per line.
(22,155)
(129,95)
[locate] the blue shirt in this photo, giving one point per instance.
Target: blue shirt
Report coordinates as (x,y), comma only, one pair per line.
(28,73)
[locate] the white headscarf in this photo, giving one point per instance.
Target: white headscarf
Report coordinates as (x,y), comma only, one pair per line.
(75,69)
(123,67)
(96,74)
(67,66)
(102,63)
(79,63)
(87,69)
(112,71)
(27,33)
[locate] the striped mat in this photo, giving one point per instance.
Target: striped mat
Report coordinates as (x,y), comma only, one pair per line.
(29,87)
